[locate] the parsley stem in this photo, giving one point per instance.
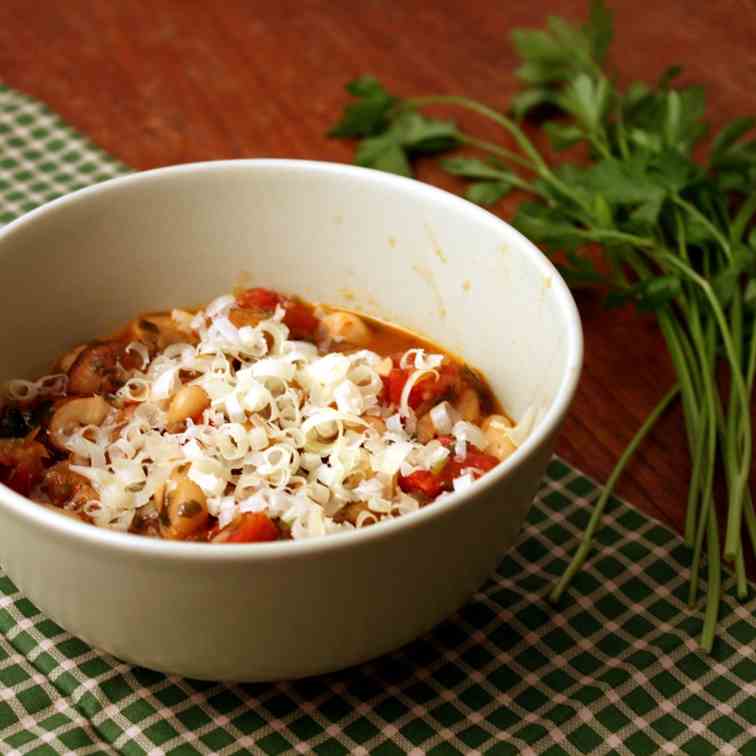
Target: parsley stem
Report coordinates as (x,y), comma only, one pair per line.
(674,338)
(694,212)
(714,588)
(585,546)
(737,493)
(750,518)
(740,576)
(733,416)
(478,107)
(751,369)
(537,163)
(674,237)
(707,356)
(746,211)
(610,235)
(495,149)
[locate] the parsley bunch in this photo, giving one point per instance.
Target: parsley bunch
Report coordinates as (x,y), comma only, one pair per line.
(675,236)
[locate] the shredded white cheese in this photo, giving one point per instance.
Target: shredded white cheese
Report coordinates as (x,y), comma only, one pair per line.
(285,433)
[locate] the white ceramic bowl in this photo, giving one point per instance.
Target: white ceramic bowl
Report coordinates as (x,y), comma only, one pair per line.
(396,248)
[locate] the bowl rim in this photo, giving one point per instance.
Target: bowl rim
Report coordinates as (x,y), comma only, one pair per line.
(127,543)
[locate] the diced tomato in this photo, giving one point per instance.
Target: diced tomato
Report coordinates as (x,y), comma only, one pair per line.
(432,390)
(475,460)
(263,299)
(254,527)
(300,320)
(428,388)
(432,484)
(478,459)
(424,482)
(393,384)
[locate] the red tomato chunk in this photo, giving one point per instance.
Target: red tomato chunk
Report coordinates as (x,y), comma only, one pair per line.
(431,484)
(263,299)
(428,389)
(298,316)
(253,527)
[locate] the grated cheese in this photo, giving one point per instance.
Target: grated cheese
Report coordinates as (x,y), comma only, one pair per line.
(285,431)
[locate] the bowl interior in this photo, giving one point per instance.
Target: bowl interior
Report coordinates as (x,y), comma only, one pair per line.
(391,247)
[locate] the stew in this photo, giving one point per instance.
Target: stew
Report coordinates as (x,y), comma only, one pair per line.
(258,418)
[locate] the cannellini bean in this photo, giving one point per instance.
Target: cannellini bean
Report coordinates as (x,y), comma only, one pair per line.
(76,412)
(182,509)
(468,405)
(361,471)
(376,423)
(350,512)
(495,428)
(345,326)
(188,401)
(425,430)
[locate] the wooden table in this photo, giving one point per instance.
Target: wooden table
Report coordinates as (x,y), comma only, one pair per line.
(174,81)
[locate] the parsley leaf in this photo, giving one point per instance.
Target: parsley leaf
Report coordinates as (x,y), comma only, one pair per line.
(369,114)
(675,237)
(391,132)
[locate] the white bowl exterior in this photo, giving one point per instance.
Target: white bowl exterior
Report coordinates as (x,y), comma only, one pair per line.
(395,248)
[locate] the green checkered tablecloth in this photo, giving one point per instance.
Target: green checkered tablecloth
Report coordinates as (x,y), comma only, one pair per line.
(615,670)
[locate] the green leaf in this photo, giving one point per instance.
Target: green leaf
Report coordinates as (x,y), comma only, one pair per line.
(697,233)
(646,140)
(587,100)
(580,271)
(599,30)
(620,182)
(672,170)
(728,135)
(474,168)
(549,56)
(635,96)
(561,51)
(418,133)
(578,279)
(653,293)
(408,133)
(569,37)
(523,102)
(725,284)
(548,225)
(487,192)
(749,298)
(563,135)
(672,121)
(602,212)
(743,259)
(664,117)
(752,238)
(383,153)
(692,128)
(365,86)
(646,215)
(369,114)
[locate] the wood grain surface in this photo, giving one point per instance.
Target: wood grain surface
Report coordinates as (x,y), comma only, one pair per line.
(157,83)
